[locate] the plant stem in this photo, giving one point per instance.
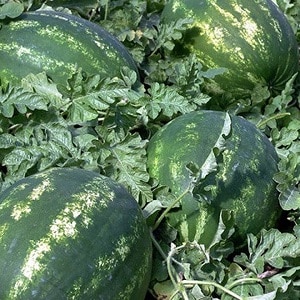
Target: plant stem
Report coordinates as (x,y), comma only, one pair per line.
(200,282)
(106,10)
(157,246)
(161,217)
(262,123)
(243,280)
(176,281)
(180,284)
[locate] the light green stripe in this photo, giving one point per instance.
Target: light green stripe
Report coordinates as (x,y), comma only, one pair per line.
(63,227)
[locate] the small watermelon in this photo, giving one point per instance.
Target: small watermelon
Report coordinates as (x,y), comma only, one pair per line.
(72,234)
(241,180)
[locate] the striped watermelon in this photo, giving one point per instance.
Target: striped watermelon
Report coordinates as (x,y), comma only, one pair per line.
(242,181)
(72,234)
(251,39)
(58,43)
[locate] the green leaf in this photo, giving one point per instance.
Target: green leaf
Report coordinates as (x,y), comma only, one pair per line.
(224,231)
(288,179)
(290,198)
(127,164)
(42,86)
(93,97)
(168,33)
(166,100)
(81,111)
(273,248)
(286,283)
(11,9)
(152,208)
(199,173)
(7,141)
(21,100)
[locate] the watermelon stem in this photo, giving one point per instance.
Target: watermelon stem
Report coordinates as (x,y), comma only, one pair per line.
(106,11)
(181,284)
(160,250)
(165,212)
(190,283)
(157,246)
(177,282)
(262,123)
(242,281)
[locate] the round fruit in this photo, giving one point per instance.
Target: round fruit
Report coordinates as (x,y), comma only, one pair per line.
(72,234)
(59,44)
(251,39)
(235,164)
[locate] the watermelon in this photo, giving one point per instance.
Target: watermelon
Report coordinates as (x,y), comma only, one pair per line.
(230,166)
(72,234)
(252,40)
(59,44)
(90,4)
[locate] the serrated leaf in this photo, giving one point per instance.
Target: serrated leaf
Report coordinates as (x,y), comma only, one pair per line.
(166,100)
(128,158)
(268,296)
(272,248)
(17,157)
(61,136)
(40,84)
(81,112)
(284,280)
(246,290)
(168,33)
(17,98)
(198,173)
(84,141)
(224,230)
(96,100)
(7,141)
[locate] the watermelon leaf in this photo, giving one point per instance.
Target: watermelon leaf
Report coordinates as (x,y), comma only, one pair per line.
(11,9)
(17,98)
(290,198)
(273,248)
(170,33)
(41,85)
(91,97)
(167,101)
(127,164)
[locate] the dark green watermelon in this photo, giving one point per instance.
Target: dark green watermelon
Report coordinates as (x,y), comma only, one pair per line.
(72,234)
(242,181)
(253,40)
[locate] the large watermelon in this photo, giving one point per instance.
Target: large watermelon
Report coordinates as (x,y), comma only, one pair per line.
(72,234)
(58,43)
(242,181)
(252,39)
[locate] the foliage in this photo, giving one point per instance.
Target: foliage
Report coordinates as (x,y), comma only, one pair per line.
(104,124)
